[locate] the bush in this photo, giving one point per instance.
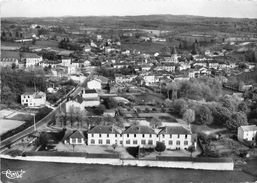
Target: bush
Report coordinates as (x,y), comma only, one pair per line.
(133,151)
(15,152)
(160,147)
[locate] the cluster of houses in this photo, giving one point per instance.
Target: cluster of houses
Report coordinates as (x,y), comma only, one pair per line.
(174,137)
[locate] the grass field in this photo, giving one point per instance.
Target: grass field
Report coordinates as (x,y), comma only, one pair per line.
(6,125)
(39,172)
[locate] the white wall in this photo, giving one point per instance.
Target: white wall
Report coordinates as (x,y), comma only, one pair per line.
(93,84)
(174,138)
(139,137)
(114,139)
(127,162)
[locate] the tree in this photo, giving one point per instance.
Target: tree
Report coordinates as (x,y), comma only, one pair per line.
(7,95)
(160,147)
(155,122)
(179,106)
(227,103)
(242,107)
(221,115)
(189,115)
(191,149)
(99,110)
(204,115)
(237,119)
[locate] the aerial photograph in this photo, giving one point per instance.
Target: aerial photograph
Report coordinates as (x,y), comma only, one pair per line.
(128,91)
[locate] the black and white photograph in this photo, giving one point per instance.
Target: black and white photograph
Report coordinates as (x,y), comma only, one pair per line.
(128,91)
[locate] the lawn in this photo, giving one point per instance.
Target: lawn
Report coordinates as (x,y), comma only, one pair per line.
(6,125)
(22,117)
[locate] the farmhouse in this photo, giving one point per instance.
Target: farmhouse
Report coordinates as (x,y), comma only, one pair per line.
(175,137)
(247,133)
(36,99)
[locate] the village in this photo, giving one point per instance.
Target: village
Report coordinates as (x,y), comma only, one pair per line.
(102,98)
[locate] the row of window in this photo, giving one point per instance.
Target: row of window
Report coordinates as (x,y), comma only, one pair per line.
(135,135)
(134,142)
(74,140)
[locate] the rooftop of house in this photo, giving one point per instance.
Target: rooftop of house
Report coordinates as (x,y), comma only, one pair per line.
(77,134)
(139,130)
(249,128)
(35,94)
(90,91)
(101,78)
(105,129)
(10,54)
(30,55)
(174,130)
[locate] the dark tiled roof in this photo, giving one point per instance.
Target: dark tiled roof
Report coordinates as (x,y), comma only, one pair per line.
(90,91)
(30,55)
(104,129)
(10,54)
(77,134)
(139,130)
(174,130)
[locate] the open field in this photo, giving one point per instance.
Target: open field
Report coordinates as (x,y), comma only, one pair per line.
(6,125)
(39,172)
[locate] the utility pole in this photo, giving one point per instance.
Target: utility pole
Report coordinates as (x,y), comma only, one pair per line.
(35,128)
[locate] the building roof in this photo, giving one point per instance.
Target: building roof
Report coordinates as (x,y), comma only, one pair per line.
(10,55)
(138,129)
(103,79)
(90,91)
(104,129)
(29,55)
(76,134)
(174,130)
(249,128)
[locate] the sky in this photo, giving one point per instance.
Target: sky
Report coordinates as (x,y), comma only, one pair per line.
(209,8)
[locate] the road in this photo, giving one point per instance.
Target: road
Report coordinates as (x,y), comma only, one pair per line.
(43,121)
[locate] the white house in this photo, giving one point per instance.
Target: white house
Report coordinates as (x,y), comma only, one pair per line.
(104,135)
(36,99)
(66,62)
(149,79)
(90,97)
(75,138)
(31,59)
(75,105)
(247,133)
(143,136)
(94,84)
(175,137)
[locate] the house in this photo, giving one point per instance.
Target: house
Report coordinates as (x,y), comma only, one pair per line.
(75,105)
(31,59)
(66,62)
(78,78)
(94,84)
(149,79)
(120,65)
(124,78)
(90,97)
(169,67)
(9,58)
(247,133)
(175,137)
(87,48)
(104,135)
(75,138)
(36,99)
(143,136)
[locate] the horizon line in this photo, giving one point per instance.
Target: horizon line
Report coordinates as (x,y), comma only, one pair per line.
(66,16)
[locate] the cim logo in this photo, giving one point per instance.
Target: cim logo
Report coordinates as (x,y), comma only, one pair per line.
(13,174)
